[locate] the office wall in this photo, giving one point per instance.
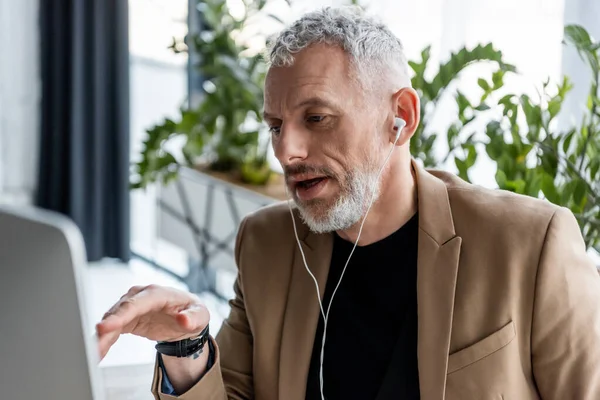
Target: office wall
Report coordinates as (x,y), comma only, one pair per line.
(19,100)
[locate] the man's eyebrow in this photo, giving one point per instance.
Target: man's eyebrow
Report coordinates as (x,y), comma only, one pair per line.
(311,101)
(316,101)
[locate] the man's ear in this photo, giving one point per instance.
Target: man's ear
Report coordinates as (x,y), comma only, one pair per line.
(406,105)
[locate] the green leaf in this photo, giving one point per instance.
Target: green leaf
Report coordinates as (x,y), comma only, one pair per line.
(498,79)
(418,80)
(565,87)
(568,139)
(535,184)
(583,137)
(496,145)
(549,189)
(471,156)
(194,147)
(549,160)
(452,135)
(572,158)
(417,67)
(506,100)
(567,191)
(594,167)
(554,106)
(533,113)
(578,37)
(501,179)
(449,70)
(246,138)
(517,186)
(507,164)
(429,141)
(462,169)
(462,101)
(189,120)
(165,162)
(523,153)
(580,192)
(484,84)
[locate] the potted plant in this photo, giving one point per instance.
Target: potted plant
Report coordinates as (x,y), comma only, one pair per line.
(223,131)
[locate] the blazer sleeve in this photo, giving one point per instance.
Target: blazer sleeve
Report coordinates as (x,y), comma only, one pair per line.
(566,318)
(230,378)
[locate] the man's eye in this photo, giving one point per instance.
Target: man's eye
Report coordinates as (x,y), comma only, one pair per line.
(316,118)
(275,130)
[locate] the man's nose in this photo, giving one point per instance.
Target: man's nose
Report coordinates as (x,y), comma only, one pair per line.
(291,146)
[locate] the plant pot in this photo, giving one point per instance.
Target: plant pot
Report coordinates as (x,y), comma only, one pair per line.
(255,174)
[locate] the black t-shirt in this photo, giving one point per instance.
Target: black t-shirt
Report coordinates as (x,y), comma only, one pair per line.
(371,343)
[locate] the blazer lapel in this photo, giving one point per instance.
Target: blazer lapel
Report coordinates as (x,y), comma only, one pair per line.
(302,312)
(437,268)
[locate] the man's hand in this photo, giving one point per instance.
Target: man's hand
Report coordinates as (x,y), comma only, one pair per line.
(154,312)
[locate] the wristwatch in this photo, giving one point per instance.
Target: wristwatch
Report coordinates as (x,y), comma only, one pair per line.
(191,347)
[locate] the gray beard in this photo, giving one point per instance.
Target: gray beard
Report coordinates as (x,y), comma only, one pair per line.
(349,207)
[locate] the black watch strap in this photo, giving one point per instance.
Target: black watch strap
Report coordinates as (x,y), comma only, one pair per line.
(186,347)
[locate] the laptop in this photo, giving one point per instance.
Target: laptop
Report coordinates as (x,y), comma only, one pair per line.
(47,346)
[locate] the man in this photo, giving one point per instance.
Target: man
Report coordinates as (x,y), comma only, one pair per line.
(451,292)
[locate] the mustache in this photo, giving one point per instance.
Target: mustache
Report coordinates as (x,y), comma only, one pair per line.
(298,169)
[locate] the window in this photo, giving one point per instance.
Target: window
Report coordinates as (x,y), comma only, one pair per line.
(158,89)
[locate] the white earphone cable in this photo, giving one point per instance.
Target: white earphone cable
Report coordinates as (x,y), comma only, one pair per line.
(304,259)
(326,314)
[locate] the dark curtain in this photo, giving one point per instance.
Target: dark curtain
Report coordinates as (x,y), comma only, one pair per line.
(84,157)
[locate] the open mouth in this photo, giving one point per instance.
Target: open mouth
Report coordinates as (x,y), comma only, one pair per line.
(309,189)
(307,184)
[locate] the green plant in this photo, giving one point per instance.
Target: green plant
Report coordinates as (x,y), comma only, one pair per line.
(222,130)
(541,158)
(533,155)
(431,92)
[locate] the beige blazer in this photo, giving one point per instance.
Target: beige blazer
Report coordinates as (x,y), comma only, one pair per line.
(508,302)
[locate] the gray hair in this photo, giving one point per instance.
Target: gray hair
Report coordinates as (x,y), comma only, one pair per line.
(374,51)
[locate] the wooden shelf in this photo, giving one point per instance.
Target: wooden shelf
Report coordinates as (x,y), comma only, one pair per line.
(275,188)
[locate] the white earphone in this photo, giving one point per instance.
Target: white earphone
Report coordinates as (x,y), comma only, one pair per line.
(399,124)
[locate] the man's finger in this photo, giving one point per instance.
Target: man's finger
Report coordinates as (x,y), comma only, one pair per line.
(126,310)
(105,342)
(133,291)
(110,323)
